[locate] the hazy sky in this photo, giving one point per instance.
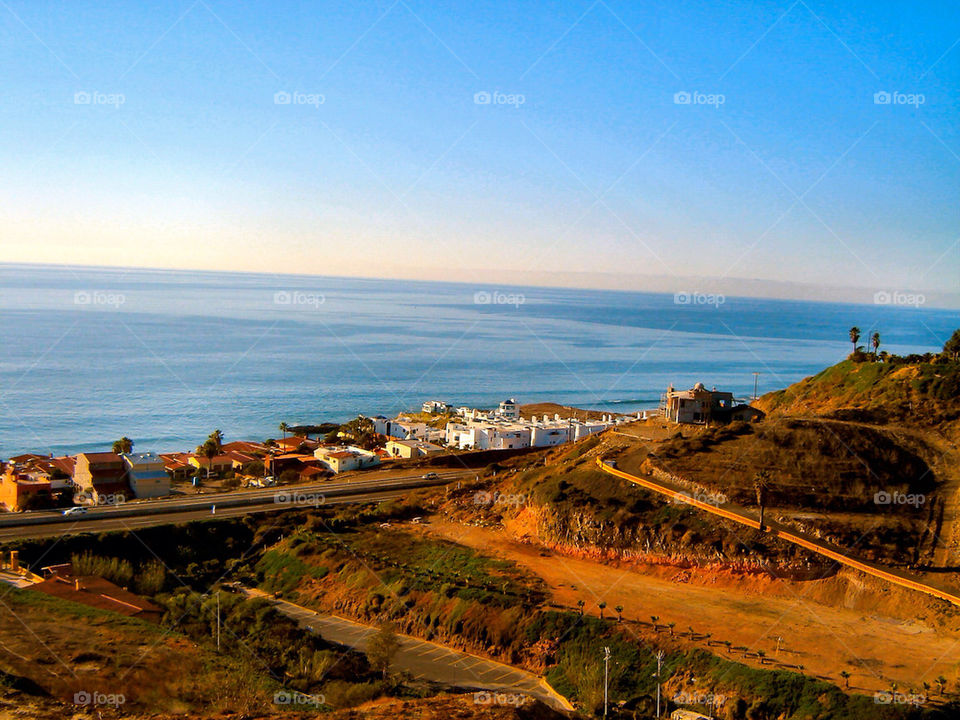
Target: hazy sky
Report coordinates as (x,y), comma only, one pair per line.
(153,135)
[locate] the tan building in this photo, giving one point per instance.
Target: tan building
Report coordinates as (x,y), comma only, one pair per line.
(410,449)
(101,477)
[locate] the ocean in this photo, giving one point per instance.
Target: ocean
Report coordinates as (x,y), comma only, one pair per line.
(165,357)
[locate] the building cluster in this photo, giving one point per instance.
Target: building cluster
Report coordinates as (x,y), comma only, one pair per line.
(35,481)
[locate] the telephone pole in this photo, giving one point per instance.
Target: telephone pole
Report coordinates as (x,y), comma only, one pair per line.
(756,379)
(659,665)
(606,675)
(218,621)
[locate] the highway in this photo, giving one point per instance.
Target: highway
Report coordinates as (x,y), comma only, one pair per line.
(180,509)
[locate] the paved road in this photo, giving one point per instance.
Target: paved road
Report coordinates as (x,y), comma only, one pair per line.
(197,507)
(426,660)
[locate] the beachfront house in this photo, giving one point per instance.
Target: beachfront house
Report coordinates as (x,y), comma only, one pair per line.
(147,475)
(23,489)
(435,407)
(101,478)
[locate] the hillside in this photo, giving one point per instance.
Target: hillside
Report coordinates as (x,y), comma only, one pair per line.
(922,394)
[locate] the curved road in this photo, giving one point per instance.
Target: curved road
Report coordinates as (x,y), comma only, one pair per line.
(425,660)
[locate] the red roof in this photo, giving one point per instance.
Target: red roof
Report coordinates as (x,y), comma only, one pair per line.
(99,593)
(102,458)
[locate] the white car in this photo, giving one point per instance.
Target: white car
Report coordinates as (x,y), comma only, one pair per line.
(76,510)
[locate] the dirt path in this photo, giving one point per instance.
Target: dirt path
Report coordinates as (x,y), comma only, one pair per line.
(751,613)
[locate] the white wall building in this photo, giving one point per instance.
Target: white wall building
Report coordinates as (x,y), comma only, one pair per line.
(342,459)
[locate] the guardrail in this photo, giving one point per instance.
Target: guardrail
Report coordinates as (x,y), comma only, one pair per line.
(813,546)
(162,506)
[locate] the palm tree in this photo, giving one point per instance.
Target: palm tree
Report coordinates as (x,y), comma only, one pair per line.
(216,437)
(619,609)
(671,626)
(601,605)
(846,679)
(209,450)
(654,619)
(580,604)
(123,445)
(875,341)
(761,483)
(941,682)
(854,336)
(762,655)
(283,428)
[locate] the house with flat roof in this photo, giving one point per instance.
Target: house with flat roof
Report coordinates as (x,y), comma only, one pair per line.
(23,489)
(409,449)
(700,406)
(147,475)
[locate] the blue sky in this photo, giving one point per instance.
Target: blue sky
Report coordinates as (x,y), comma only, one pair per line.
(152,136)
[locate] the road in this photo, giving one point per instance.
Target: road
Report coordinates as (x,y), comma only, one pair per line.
(181,509)
(739,514)
(425,660)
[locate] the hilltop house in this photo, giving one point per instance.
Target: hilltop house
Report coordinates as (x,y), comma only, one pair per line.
(700,406)
(101,477)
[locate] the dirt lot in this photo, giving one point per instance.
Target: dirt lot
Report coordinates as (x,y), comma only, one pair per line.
(749,611)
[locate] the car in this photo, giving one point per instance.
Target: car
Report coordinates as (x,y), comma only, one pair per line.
(430,476)
(75,510)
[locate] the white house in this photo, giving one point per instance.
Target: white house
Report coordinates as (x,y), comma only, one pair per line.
(508,410)
(343,459)
(435,407)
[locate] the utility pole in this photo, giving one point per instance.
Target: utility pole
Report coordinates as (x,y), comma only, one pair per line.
(756,379)
(218,621)
(659,665)
(606,675)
